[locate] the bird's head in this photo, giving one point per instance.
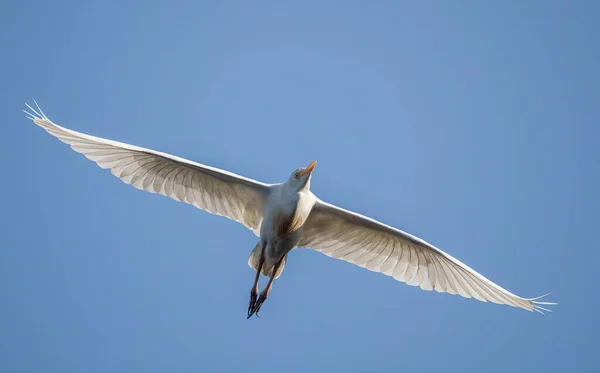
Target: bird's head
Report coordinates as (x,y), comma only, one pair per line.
(300,178)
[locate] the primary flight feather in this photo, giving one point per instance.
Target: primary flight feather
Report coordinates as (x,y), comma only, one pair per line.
(286,216)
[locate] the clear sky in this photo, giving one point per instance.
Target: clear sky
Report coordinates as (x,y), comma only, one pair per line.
(471,124)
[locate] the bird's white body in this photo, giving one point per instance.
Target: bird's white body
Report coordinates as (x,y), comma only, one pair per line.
(286,209)
(288,215)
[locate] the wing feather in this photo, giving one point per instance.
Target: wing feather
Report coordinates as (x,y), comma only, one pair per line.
(211,189)
(378,247)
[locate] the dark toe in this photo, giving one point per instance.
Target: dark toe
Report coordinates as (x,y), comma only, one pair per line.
(251,304)
(259,303)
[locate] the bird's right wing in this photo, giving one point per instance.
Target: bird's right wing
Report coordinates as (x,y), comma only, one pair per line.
(211,189)
(360,240)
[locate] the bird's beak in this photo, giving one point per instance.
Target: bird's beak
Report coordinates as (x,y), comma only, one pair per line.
(309,169)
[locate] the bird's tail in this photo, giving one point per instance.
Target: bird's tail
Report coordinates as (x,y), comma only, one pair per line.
(266,269)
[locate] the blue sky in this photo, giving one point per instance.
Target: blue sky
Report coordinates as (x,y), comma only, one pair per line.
(473,125)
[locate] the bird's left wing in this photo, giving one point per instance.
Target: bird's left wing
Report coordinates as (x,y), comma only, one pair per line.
(211,189)
(360,240)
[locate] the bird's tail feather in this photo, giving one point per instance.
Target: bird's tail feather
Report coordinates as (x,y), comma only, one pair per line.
(266,270)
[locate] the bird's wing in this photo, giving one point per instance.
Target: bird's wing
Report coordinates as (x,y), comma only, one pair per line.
(360,240)
(211,189)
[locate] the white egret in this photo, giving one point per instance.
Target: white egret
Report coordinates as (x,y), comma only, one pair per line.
(286,216)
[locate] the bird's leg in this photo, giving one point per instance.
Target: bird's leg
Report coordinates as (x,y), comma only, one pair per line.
(254,290)
(265,293)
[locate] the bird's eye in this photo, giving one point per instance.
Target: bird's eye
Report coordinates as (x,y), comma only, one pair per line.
(297,175)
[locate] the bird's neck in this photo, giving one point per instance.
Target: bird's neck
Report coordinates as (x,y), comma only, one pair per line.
(292,189)
(292,195)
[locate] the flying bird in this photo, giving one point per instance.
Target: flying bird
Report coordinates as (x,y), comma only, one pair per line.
(286,216)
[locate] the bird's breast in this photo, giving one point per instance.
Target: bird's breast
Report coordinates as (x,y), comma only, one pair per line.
(286,215)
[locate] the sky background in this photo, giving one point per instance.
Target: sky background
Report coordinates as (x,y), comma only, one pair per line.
(471,124)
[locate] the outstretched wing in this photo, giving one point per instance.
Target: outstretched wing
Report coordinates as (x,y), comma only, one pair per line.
(210,189)
(357,239)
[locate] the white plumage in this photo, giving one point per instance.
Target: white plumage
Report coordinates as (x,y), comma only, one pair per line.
(285,216)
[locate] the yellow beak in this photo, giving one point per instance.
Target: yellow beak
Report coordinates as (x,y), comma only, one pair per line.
(309,169)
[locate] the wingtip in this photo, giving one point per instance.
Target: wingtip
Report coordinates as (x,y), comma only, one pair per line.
(540,297)
(538,304)
(28,115)
(34,114)
(40,109)
(538,308)
(547,303)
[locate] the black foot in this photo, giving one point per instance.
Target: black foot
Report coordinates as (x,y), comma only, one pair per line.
(252,304)
(259,302)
